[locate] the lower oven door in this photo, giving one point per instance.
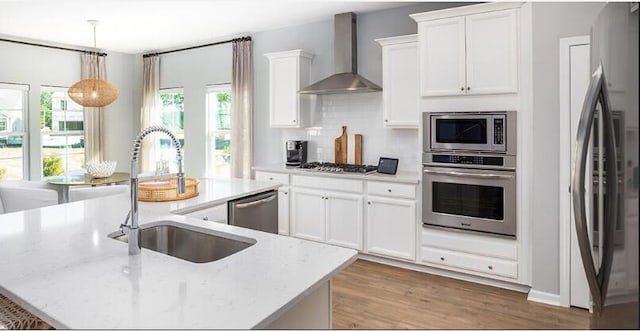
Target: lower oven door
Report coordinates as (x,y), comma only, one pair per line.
(470,199)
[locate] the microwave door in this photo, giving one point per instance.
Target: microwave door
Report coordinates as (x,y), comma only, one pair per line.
(462,132)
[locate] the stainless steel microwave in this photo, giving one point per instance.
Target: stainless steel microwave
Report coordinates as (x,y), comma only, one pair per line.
(493,132)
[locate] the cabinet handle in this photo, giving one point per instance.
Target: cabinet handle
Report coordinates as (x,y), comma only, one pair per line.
(389,190)
(442,258)
(270,178)
(462,88)
(206,218)
(285,193)
(468,88)
(368,202)
(490,267)
(386,120)
(294,121)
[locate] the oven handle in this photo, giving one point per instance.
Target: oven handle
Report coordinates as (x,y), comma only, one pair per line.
(468,175)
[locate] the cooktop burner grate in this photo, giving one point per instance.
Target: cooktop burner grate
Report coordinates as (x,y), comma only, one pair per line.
(339,168)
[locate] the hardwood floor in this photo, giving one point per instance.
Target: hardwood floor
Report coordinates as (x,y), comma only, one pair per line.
(368,295)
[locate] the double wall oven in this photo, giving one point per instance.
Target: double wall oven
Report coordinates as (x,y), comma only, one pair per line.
(469,171)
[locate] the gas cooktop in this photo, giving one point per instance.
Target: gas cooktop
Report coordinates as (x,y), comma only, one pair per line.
(339,168)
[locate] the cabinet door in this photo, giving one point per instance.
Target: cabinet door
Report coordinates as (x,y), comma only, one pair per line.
(442,57)
(283,210)
(283,92)
(391,227)
(492,52)
(307,214)
(344,219)
(400,80)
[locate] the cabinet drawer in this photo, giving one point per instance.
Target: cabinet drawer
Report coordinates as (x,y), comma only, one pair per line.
(392,190)
(328,183)
(216,214)
(272,177)
(480,264)
(470,243)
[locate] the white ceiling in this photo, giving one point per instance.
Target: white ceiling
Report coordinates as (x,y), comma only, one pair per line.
(137,26)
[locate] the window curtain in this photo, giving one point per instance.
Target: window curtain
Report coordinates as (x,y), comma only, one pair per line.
(242,109)
(94,120)
(150,106)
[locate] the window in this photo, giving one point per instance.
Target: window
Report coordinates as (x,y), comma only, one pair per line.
(171,116)
(62,131)
(13,146)
(219,131)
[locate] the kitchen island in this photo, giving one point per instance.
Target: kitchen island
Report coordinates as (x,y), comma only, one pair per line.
(58,263)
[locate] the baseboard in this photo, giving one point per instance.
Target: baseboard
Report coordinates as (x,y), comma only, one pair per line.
(544,297)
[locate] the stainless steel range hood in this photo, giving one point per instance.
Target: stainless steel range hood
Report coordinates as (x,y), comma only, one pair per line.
(346,78)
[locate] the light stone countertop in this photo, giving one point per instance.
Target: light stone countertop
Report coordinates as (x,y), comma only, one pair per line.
(59,263)
(404,177)
(212,192)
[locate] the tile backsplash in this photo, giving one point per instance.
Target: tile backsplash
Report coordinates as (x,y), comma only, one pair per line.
(361,113)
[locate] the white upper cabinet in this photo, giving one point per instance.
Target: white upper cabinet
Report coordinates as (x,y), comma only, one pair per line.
(492,52)
(442,57)
(470,54)
(400,81)
(288,73)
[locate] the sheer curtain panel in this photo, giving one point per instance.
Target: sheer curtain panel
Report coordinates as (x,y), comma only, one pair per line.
(242,109)
(94,132)
(150,107)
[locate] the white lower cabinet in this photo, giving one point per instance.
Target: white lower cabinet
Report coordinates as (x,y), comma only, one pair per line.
(483,255)
(216,214)
(344,219)
(331,217)
(391,227)
(283,210)
(307,214)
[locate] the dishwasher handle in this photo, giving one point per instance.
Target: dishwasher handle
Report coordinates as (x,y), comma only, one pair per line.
(255,203)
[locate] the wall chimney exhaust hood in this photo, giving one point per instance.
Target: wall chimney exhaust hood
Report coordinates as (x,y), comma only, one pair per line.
(346,78)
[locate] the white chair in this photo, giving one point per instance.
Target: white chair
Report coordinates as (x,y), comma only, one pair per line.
(23,195)
(84,193)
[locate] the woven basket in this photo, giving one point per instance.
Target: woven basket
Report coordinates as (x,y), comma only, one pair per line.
(14,317)
(166,190)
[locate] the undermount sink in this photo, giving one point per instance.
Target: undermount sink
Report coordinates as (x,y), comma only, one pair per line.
(194,246)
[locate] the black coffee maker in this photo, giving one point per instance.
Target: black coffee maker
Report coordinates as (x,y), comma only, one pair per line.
(296,152)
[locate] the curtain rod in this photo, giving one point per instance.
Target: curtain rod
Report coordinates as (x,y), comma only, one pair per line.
(54,47)
(199,46)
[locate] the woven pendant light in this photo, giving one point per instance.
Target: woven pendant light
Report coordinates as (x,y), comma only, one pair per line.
(93,92)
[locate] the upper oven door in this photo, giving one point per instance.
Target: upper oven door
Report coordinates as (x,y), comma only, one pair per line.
(470,199)
(465,132)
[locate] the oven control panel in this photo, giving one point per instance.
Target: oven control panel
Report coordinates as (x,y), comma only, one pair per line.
(468,159)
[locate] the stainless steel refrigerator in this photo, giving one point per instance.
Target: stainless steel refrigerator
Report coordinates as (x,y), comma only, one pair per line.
(605,176)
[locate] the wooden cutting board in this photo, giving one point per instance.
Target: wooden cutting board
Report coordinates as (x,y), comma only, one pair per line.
(358,149)
(340,147)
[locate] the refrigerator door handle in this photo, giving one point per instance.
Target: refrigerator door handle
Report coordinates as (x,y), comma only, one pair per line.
(597,280)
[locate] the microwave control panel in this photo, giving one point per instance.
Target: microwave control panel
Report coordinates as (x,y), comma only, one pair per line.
(498,131)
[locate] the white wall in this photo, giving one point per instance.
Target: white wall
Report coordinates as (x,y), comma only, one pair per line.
(362,113)
(551,21)
(37,66)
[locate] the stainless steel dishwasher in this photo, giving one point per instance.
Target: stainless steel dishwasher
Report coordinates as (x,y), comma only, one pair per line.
(257,212)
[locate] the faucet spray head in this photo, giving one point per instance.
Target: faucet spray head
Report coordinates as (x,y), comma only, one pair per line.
(181,184)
